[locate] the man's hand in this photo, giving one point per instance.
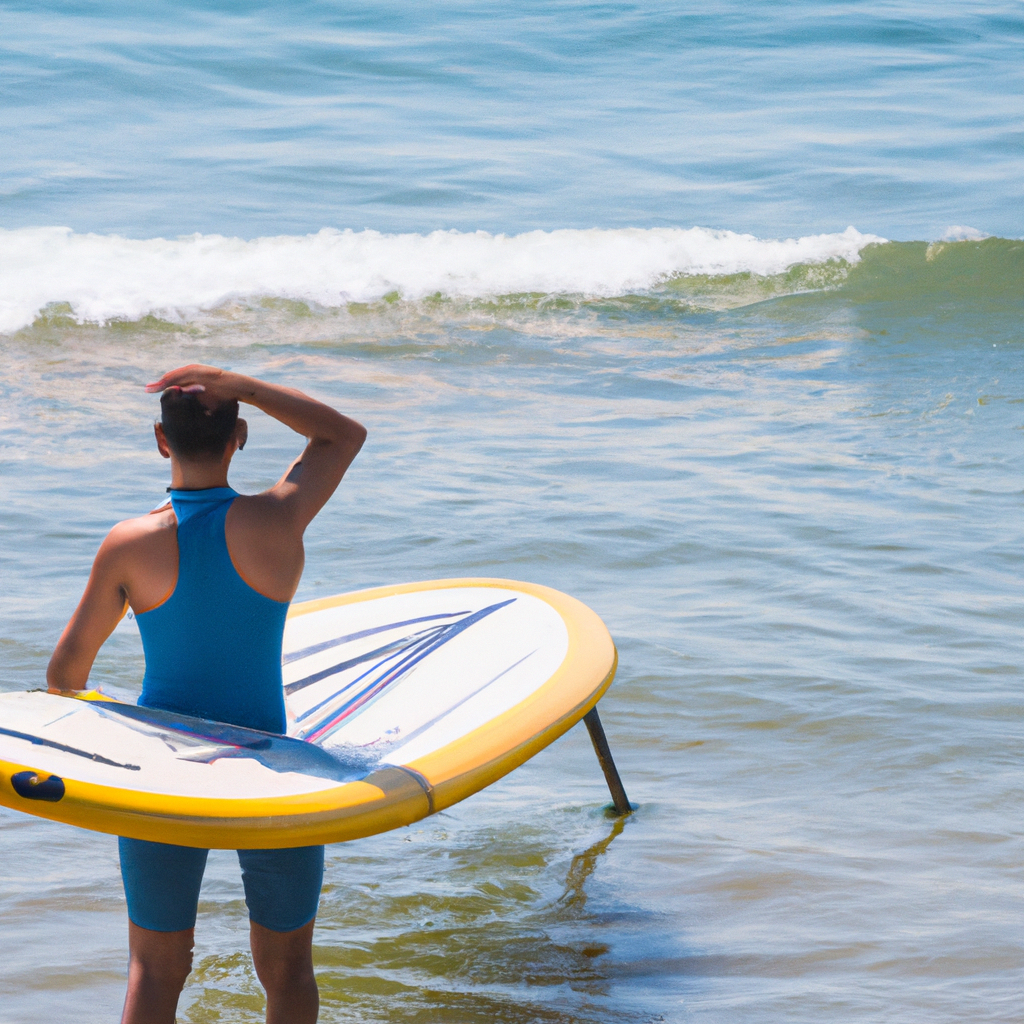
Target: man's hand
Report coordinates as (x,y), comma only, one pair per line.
(217,384)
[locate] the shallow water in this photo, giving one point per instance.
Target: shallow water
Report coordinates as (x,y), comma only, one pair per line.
(787,473)
(801,522)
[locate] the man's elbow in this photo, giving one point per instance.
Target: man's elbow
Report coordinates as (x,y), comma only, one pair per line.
(358,437)
(350,439)
(341,445)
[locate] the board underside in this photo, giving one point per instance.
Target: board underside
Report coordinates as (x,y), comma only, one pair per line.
(400,701)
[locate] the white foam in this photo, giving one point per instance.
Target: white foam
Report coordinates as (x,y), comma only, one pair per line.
(963,233)
(105,277)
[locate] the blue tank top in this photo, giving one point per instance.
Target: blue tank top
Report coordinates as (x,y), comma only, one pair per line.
(213,647)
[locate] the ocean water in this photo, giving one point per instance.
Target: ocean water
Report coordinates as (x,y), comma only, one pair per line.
(710,316)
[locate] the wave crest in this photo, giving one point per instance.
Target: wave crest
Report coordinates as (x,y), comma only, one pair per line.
(99,278)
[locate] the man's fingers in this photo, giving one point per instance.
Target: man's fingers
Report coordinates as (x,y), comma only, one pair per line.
(185,377)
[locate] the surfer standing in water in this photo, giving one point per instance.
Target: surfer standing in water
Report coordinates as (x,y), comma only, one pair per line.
(209,577)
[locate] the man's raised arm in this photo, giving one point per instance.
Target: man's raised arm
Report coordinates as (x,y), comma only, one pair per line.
(333,440)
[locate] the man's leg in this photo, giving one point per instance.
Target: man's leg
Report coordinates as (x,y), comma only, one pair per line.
(284,965)
(282,890)
(161,885)
(160,963)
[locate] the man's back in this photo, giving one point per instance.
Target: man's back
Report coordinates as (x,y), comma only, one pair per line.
(213,643)
(266,555)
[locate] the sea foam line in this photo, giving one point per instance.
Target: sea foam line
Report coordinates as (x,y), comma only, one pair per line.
(106,277)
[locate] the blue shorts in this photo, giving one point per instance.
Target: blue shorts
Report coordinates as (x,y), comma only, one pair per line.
(161,883)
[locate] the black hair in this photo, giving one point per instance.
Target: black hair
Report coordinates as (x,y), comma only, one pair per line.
(192,430)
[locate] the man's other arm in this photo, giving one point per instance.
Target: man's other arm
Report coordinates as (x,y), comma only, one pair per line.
(103,604)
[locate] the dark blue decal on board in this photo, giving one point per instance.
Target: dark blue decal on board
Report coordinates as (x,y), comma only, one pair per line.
(35,786)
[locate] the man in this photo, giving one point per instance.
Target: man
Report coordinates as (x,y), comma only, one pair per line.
(210,577)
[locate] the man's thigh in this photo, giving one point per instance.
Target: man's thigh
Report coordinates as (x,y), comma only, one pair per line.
(161,883)
(282,887)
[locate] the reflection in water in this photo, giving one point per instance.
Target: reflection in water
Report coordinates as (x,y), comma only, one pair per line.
(583,866)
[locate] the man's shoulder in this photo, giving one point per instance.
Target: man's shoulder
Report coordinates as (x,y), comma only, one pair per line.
(265,511)
(140,530)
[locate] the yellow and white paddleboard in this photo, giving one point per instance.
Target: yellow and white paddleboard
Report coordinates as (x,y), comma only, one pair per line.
(401,701)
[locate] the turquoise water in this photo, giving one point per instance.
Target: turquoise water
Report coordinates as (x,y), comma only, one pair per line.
(643,361)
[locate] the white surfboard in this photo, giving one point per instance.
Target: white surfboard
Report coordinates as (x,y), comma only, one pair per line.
(400,700)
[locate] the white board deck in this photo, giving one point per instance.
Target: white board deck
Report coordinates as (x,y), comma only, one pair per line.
(392,678)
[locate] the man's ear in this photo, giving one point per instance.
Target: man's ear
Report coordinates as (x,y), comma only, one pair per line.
(241,433)
(161,440)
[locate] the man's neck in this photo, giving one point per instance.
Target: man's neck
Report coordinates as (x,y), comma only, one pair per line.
(197,476)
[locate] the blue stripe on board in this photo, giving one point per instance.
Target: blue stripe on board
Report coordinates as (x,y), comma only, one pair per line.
(337,641)
(391,651)
(420,649)
(394,645)
(428,638)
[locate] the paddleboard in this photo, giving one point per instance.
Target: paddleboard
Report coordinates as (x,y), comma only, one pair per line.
(401,701)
